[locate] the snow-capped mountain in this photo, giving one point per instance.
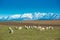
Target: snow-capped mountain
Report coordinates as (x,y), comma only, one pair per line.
(32,16)
(14,17)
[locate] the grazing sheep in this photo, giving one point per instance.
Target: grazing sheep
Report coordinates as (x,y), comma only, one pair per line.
(34,26)
(41,28)
(50,27)
(10,30)
(26,27)
(47,28)
(20,28)
(29,26)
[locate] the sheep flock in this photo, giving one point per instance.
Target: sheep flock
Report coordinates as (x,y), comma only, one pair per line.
(39,28)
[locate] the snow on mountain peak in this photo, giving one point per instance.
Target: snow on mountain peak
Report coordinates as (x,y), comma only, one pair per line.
(39,14)
(15,16)
(28,15)
(32,16)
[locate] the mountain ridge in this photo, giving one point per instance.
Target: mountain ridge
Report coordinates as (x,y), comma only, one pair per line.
(30,16)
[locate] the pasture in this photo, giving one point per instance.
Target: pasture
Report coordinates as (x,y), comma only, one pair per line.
(29,34)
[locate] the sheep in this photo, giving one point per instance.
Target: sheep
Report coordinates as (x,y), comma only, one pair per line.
(34,26)
(10,30)
(41,28)
(20,28)
(26,27)
(29,26)
(47,28)
(50,27)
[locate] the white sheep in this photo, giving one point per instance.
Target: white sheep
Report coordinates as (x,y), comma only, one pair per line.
(29,26)
(41,28)
(50,27)
(26,27)
(47,28)
(10,30)
(19,28)
(34,26)
(38,27)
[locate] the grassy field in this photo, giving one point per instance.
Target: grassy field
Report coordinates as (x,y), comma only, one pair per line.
(30,34)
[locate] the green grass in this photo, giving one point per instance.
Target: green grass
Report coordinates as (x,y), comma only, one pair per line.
(29,34)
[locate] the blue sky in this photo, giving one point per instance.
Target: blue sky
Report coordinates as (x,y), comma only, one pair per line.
(9,7)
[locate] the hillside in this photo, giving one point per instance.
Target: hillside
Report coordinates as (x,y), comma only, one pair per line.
(33,22)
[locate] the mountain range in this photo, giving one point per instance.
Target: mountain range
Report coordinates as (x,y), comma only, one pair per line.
(32,16)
